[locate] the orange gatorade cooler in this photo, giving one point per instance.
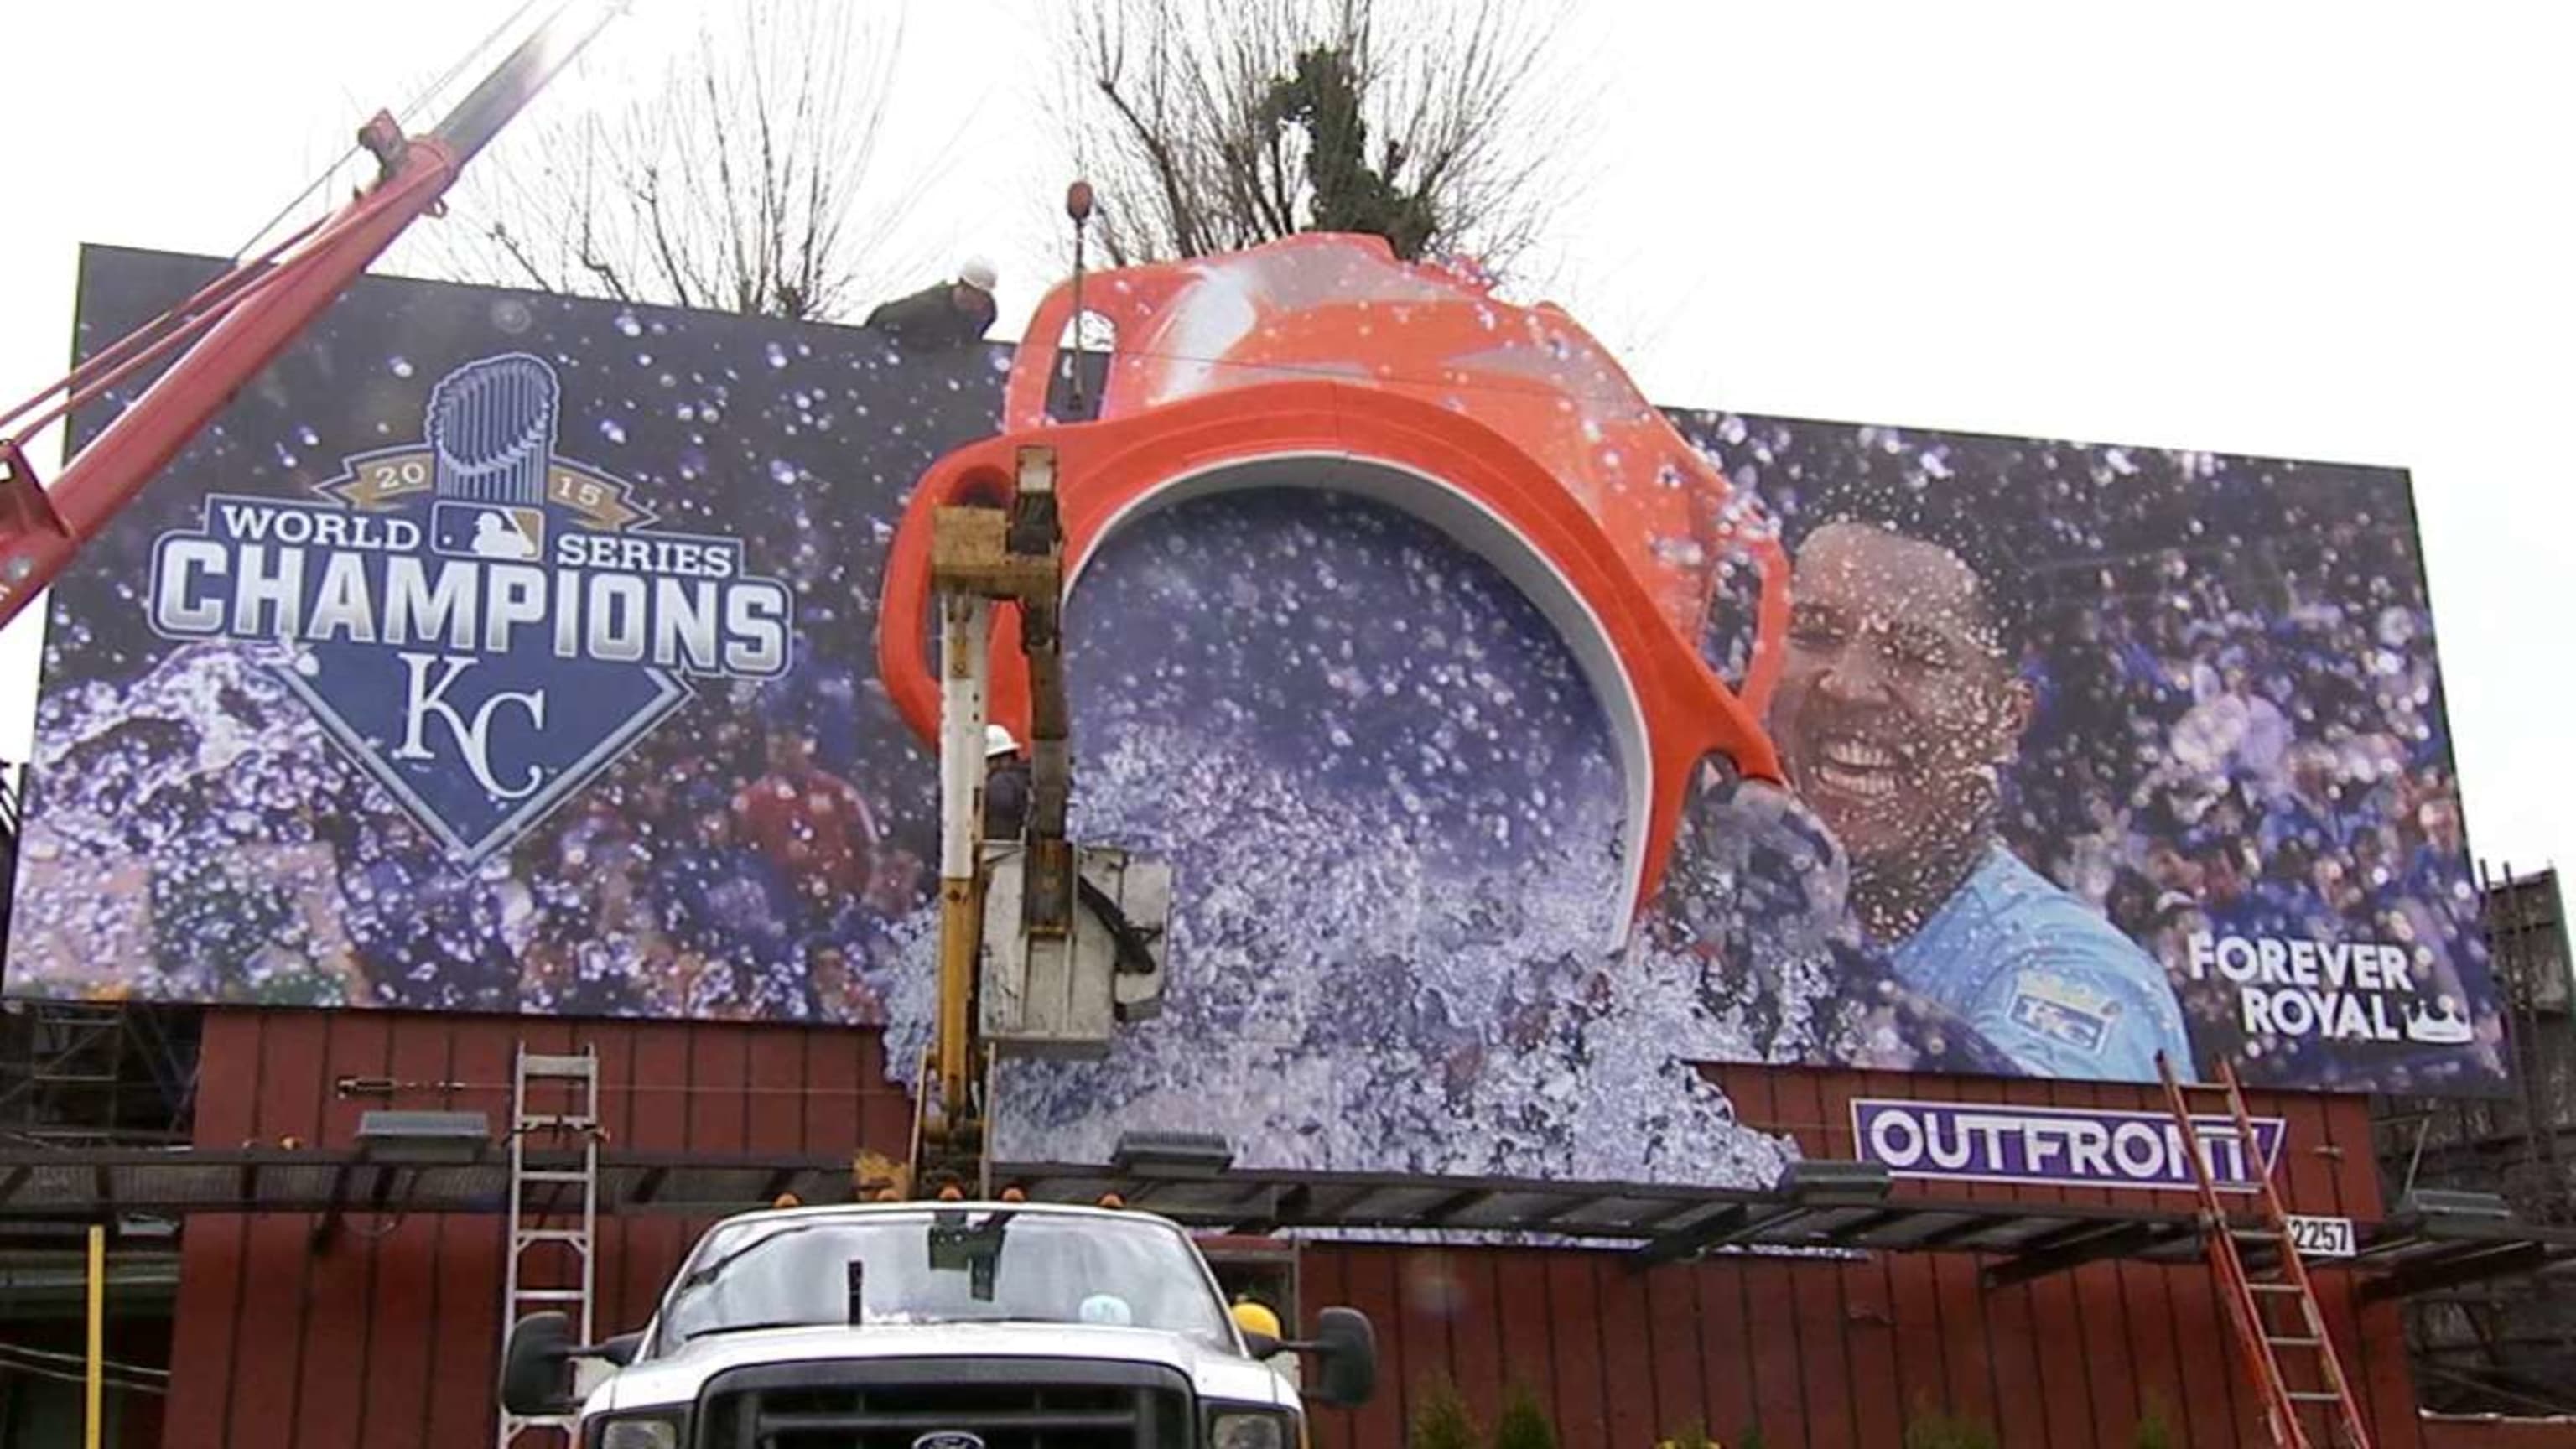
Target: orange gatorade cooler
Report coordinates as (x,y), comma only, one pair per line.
(1324,362)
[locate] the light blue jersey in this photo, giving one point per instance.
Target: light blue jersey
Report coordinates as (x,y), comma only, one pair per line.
(2051,984)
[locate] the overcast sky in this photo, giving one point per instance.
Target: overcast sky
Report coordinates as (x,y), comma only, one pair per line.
(2330,231)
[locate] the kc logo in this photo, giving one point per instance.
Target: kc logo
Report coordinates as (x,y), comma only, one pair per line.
(423,701)
(482,625)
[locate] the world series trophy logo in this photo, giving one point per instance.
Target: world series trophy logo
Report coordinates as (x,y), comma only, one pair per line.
(481,624)
(492,439)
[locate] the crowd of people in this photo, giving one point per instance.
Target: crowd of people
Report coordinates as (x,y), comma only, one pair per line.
(727,873)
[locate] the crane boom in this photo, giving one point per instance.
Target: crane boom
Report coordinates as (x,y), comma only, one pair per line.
(243,319)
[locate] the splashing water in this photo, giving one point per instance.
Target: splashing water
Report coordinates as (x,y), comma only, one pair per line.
(205,767)
(1393,893)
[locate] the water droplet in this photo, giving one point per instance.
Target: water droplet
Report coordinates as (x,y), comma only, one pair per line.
(781,471)
(627,324)
(399,366)
(612,430)
(777,355)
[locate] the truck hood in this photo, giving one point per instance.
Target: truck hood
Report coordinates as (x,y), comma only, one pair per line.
(676,1379)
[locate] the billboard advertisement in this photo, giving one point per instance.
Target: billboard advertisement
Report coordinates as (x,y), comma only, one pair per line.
(2060,1146)
(507,652)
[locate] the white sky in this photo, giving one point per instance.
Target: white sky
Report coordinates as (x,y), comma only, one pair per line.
(2332,231)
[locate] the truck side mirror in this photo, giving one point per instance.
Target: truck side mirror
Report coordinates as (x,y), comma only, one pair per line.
(536,1365)
(1347,1344)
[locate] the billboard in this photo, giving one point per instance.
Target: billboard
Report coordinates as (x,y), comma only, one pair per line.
(518,653)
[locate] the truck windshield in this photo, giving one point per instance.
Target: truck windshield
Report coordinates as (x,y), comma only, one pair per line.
(943,1266)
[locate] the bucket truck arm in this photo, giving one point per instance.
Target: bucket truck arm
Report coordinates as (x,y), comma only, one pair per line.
(1044,946)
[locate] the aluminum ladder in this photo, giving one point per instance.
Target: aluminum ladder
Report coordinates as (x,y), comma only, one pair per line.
(554,1100)
(2319,1411)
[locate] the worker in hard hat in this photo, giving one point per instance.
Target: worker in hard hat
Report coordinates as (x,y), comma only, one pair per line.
(944,314)
(1258,1322)
(1256,1319)
(1006,785)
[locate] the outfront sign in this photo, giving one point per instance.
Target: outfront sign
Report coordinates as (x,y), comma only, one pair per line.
(2054,1146)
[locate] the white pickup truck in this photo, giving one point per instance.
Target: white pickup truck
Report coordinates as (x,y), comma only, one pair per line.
(939,1326)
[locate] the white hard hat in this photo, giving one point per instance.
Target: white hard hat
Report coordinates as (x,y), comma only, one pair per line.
(979,274)
(998,741)
(1106,1308)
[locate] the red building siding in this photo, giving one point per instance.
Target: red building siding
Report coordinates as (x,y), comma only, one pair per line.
(388,1335)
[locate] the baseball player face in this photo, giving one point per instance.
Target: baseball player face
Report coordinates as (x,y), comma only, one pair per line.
(1895,707)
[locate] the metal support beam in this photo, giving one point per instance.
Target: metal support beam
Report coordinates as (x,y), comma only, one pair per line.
(327,1226)
(2469,1265)
(2073,1248)
(1285,1206)
(1944,1236)
(1325,1208)
(1452,1205)
(1731,1224)
(1859,1229)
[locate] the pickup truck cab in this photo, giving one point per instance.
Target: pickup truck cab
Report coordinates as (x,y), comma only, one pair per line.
(970,1325)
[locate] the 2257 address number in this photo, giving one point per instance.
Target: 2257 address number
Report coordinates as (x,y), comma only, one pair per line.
(2321,1237)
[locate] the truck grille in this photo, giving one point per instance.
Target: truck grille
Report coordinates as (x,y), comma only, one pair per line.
(891,1403)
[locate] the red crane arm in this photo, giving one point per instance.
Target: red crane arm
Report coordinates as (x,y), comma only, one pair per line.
(237,324)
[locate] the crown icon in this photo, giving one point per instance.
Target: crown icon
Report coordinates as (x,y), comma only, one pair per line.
(2445,1023)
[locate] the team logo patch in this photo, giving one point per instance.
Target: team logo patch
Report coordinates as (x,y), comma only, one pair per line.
(2064,1010)
(481,624)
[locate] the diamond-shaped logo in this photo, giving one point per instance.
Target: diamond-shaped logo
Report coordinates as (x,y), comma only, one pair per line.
(482,625)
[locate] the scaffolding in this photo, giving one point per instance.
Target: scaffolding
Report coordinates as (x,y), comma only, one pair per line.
(2506,1344)
(96,1074)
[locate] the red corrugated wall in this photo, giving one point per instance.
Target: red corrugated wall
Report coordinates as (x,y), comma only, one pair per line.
(390,1341)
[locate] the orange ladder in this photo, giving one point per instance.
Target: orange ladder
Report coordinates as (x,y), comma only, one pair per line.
(2293,1413)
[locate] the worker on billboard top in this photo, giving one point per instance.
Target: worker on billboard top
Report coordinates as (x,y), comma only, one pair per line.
(1900,709)
(944,314)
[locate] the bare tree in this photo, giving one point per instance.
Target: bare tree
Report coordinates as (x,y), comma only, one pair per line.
(1205,128)
(728,181)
